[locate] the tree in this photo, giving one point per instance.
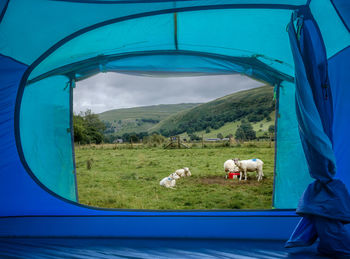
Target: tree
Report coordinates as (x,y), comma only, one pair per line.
(88,128)
(245,132)
(194,137)
(271,129)
(207,130)
(93,121)
(109,128)
(255,117)
(79,129)
(220,136)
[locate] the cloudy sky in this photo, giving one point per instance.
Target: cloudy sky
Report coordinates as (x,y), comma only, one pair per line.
(112,91)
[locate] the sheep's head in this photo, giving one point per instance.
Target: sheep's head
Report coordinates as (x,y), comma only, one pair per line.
(187,171)
(174,176)
(236,161)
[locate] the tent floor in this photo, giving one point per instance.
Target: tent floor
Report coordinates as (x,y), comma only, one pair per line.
(146,248)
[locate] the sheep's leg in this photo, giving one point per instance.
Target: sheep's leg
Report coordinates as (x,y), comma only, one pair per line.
(260,174)
(240,175)
(245,175)
(261,170)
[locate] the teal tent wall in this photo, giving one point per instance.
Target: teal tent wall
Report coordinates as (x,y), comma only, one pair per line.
(42,40)
(46,134)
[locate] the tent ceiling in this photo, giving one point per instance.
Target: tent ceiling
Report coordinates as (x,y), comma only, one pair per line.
(61,19)
(250,34)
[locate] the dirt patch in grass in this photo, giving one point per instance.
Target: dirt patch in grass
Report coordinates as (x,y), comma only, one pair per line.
(227,182)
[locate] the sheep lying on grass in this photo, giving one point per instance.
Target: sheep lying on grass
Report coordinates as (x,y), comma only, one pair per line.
(183,172)
(250,166)
(169,181)
(230,167)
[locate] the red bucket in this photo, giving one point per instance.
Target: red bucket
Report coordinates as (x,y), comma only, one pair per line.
(232,175)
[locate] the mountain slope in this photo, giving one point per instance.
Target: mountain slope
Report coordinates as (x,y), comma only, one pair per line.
(255,105)
(140,119)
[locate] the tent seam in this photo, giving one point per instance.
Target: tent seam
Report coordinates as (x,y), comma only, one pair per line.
(4,10)
(15,60)
(340,16)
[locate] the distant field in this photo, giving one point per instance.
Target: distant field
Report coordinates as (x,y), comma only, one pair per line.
(127,178)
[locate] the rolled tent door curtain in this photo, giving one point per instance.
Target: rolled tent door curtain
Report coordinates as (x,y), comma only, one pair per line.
(325,204)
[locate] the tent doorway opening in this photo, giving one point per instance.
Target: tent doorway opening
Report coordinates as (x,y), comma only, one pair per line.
(47,140)
(46,144)
(130,132)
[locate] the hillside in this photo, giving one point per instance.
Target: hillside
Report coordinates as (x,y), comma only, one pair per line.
(254,105)
(261,128)
(139,119)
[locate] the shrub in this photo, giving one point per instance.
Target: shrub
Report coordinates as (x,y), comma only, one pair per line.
(245,132)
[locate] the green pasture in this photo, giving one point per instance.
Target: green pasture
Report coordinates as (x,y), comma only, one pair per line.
(121,176)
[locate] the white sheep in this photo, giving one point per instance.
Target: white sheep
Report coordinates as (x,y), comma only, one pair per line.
(170,181)
(250,165)
(230,167)
(183,172)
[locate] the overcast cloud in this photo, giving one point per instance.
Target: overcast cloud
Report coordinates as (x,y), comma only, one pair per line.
(112,91)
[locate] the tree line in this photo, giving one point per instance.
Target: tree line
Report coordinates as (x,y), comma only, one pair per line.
(88,128)
(207,119)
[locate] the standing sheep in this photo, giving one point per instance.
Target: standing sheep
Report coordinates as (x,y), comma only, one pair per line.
(250,166)
(230,166)
(183,172)
(170,181)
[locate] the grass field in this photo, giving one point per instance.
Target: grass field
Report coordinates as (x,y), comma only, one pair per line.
(128,178)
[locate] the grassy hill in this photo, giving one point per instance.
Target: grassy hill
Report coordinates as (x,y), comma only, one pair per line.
(140,119)
(260,127)
(222,115)
(254,105)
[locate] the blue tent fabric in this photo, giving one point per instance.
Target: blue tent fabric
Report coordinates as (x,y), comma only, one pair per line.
(288,142)
(211,45)
(343,9)
(325,204)
(338,76)
(43,41)
(11,73)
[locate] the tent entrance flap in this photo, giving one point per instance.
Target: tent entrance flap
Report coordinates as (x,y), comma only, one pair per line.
(171,63)
(46,134)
